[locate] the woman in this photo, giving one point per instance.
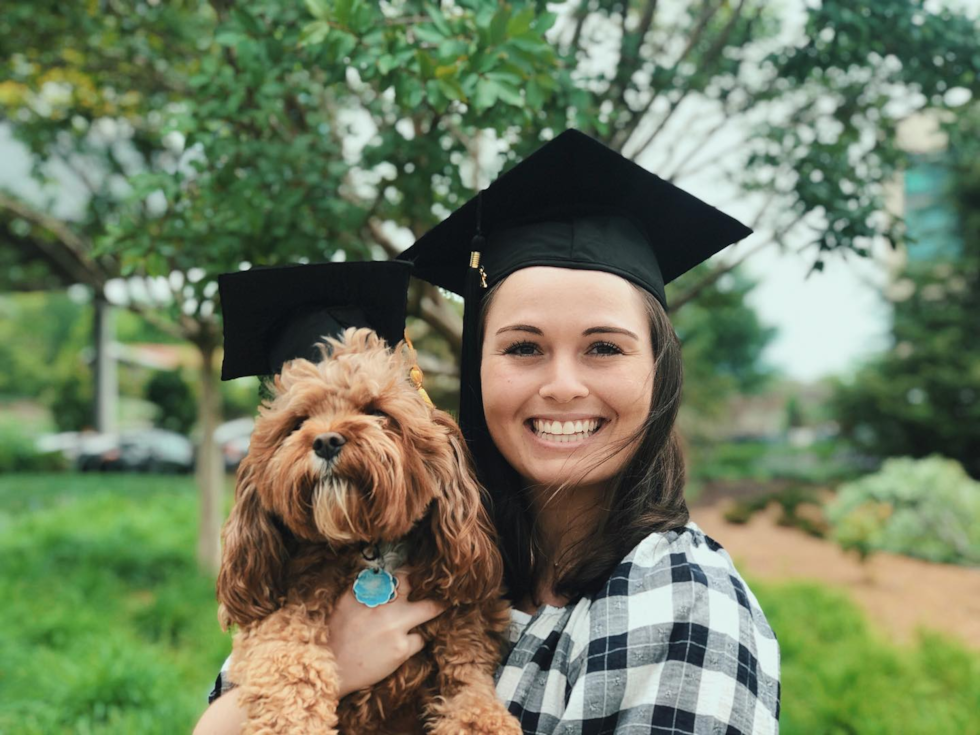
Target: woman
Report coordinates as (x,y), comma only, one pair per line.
(627,617)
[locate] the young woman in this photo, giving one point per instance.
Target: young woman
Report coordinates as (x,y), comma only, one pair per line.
(627,617)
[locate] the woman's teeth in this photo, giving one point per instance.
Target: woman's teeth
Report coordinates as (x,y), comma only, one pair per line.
(569,431)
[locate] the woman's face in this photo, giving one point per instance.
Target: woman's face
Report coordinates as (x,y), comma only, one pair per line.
(567,372)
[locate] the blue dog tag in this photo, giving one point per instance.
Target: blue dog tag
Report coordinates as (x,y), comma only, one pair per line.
(375,587)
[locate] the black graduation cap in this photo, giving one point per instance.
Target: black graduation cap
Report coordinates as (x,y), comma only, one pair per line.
(272,315)
(573,203)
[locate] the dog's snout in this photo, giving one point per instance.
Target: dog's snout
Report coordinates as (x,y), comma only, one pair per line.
(328,445)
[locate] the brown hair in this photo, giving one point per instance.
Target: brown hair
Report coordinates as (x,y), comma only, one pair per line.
(647,494)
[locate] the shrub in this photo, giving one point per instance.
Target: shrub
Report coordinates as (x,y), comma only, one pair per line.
(174,399)
(926,508)
(18,453)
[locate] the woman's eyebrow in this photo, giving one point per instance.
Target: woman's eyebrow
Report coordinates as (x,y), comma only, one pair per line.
(520,328)
(591,330)
(608,330)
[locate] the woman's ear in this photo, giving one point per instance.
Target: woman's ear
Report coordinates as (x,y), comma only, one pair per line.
(466,559)
(253,559)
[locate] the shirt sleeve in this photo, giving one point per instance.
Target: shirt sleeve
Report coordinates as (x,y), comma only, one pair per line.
(222,683)
(676,644)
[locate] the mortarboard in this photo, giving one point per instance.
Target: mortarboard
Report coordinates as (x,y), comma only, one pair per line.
(573,203)
(272,315)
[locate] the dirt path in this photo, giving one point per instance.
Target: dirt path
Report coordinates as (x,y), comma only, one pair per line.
(898,592)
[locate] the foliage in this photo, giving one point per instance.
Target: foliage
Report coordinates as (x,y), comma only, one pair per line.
(102,603)
(923,396)
(18,453)
(800,507)
(172,395)
(722,340)
(824,462)
(842,675)
(927,508)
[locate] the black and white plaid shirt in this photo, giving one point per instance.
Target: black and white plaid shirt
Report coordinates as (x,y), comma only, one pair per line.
(674,643)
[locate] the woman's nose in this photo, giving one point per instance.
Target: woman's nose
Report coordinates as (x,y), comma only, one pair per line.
(564,381)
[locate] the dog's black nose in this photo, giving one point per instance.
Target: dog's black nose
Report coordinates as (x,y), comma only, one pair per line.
(328,445)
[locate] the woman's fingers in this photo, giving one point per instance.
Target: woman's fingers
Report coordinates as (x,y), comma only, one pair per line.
(414,644)
(421,611)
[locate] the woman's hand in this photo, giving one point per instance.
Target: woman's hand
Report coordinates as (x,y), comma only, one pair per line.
(369,643)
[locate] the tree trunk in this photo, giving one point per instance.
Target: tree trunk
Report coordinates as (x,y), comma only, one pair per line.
(210,467)
(104,367)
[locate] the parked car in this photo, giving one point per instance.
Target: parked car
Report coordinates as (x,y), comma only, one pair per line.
(233,438)
(136,450)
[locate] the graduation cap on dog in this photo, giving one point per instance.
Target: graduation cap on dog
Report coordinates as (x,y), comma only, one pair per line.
(574,203)
(273,315)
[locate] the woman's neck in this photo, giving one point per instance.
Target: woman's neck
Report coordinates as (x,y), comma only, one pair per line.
(564,519)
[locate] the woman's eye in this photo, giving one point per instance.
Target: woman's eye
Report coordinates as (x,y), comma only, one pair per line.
(522,349)
(605,348)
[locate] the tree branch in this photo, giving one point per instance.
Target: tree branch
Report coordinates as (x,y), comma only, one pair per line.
(623,136)
(70,250)
(709,60)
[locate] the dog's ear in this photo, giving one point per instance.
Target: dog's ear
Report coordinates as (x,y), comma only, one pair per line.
(465,557)
(253,559)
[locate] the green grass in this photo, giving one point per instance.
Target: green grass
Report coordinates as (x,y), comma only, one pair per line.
(839,675)
(107,627)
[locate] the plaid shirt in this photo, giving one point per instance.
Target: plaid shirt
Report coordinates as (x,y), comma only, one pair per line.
(674,643)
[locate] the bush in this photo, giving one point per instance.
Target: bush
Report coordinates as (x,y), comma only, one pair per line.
(174,399)
(18,453)
(926,508)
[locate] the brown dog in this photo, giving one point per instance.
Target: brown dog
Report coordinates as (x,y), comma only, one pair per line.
(347,457)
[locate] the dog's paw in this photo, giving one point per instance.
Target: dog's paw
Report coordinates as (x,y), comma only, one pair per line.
(476,722)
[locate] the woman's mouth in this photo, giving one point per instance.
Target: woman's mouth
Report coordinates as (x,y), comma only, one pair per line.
(564,432)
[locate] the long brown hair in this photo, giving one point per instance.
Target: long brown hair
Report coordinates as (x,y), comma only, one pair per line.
(647,493)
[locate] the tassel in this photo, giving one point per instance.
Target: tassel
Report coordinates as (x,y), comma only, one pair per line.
(415,374)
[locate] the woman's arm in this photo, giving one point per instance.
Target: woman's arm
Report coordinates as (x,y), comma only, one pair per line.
(367,643)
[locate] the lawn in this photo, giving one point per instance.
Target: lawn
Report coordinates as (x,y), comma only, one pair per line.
(107,627)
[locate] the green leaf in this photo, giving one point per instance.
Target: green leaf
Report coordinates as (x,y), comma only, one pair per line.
(386,63)
(509,94)
(229,38)
(520,23)
(428,34)
(534,94)
(319,9)
(451,89)
(544,22)
(342,10)
(408,91)
(314,33)
(438,19)
(444,72)
(485,94)
(427,67)
(434,94)
(498,26)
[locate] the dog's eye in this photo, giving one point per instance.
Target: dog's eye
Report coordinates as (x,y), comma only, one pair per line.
(373,411)
(297,425)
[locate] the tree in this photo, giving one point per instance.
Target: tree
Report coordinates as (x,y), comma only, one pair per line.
(208,134)
(923,395)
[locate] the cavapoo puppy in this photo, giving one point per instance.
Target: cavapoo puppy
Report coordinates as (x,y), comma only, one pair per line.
(349,474)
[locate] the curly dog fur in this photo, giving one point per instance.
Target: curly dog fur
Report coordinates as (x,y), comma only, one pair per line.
(293,543)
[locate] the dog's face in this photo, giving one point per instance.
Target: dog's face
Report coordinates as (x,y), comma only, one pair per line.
(347,450)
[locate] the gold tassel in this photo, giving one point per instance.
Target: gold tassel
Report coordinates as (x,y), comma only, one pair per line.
(415,374)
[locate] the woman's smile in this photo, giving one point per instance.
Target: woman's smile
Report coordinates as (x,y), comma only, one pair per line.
(566,434)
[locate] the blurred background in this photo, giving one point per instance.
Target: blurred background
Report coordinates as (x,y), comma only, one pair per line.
(832,398)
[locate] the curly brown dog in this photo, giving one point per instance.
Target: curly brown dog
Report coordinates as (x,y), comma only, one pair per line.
(345,457)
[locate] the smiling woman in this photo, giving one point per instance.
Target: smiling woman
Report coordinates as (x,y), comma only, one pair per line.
(627,618)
